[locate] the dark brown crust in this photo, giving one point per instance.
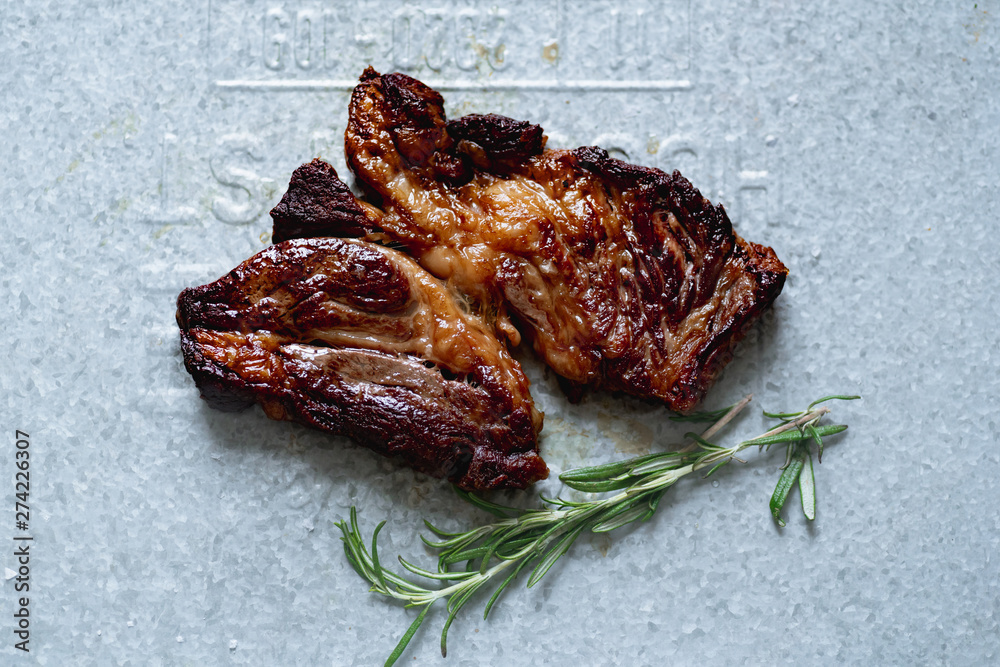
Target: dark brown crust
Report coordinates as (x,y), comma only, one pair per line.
(622,276)
(318,203)
(419,129)
(647,192)
(357,340)
(499,143)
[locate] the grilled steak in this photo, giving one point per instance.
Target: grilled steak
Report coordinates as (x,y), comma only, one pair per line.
(357,339)
(621,276)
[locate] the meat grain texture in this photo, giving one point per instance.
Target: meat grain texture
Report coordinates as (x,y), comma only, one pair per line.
(356,339)
(620,276)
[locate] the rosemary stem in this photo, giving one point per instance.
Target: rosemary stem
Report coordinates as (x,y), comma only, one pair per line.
(575,517)
(726,418)
(808,417)
(539,537)
(719,425)
(431,596)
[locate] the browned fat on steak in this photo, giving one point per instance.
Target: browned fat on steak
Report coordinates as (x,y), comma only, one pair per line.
(357,339)
(622,276)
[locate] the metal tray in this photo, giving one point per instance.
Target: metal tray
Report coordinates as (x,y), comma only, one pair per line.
(144,145)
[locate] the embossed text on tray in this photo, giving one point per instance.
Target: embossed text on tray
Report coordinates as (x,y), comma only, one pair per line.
(453,45)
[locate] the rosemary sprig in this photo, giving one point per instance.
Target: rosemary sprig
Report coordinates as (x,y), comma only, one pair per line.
(500,551)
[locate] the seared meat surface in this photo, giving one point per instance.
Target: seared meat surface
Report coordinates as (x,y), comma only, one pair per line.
(621,276)
(318,202)
(357,339)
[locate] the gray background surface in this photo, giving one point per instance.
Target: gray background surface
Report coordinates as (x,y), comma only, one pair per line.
(144,143)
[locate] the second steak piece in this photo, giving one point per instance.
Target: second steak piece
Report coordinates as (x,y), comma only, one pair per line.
(357,339)
(621,276)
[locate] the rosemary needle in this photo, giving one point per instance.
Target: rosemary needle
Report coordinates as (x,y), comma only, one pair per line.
(496,553)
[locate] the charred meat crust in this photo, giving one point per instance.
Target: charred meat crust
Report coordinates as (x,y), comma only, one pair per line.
(358,340)
(419,130)
(496,143)
(318,203)
(649,195)
(622,276)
